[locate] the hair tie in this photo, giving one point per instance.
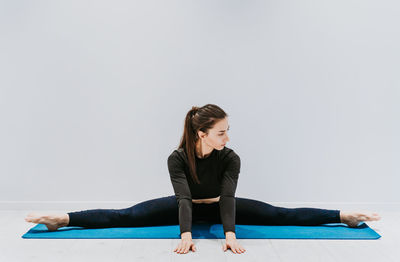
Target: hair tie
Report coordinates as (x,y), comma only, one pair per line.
(194,110)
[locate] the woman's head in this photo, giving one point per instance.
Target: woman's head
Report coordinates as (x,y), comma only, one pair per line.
(215,137)
(208,125)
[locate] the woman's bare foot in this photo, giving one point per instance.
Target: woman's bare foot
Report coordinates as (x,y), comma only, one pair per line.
(352,219)
(52,222)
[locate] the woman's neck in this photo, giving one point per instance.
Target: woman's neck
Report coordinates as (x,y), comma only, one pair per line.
(202,150)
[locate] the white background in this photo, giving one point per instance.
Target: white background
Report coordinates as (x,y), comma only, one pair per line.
(93,96)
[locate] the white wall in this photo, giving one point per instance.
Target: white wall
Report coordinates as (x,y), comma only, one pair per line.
(93,95)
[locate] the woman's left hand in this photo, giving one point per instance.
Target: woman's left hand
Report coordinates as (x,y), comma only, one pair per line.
(232,243)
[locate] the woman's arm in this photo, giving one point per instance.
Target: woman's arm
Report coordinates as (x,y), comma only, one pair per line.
(228,203)
(182,192)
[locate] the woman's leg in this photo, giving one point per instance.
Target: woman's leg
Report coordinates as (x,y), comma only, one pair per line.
(254,212)
(159,211)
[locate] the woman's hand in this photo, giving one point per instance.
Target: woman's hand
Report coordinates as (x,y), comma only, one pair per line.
(232,243)
(186,244)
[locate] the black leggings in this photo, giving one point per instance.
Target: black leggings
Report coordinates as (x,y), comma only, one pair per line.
(164,211)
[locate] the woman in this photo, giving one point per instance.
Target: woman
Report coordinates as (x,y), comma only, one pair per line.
(204,175)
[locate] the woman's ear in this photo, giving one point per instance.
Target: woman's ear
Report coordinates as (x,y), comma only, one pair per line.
(201,134)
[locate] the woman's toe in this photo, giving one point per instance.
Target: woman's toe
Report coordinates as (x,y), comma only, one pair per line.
(377,217)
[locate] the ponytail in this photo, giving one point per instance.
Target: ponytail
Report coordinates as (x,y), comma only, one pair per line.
(198,118)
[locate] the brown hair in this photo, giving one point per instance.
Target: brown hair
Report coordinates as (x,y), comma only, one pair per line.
(198,118)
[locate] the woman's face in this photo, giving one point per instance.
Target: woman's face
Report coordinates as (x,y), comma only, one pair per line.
(217,136)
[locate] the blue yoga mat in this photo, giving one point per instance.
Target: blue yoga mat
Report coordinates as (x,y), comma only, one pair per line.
(210,231)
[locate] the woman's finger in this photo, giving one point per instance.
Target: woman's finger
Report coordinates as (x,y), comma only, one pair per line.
(239,248)
(233,249)
(187,249)
(185,246)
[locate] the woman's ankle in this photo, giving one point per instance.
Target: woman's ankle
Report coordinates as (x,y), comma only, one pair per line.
(342,216)
(64,221)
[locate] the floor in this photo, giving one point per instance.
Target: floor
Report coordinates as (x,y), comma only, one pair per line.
(15,248)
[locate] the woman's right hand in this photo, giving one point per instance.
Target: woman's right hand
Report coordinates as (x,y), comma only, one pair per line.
(186,244)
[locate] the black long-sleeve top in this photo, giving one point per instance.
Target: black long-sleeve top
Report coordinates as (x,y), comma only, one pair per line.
(218,174)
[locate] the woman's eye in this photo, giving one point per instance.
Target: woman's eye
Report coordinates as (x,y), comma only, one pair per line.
(222,133)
